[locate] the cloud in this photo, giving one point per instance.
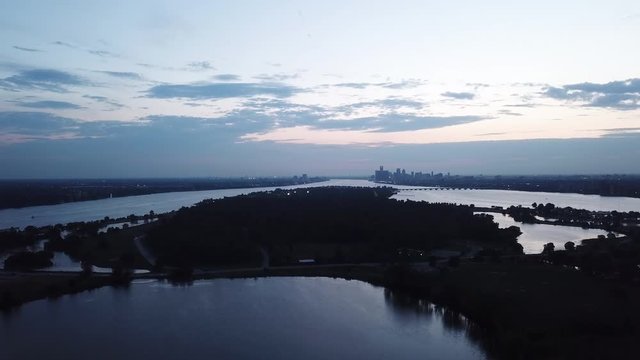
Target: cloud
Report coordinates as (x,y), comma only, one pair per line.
(622,132)
(354,85)
(42,79)
(286,113)
(65,44)
(259,114)
(396,122)
(613,87)
(458,95)
(391,103)
(276,77)
(199,66)
(103,99)
(491,134)
(390,117)
(220,90)
(404,84)
(101,53)
(179,123)
(194,66)
(528,105)
(509,112)
(621,95)
(32,122)
(96,98)
(21,127)
(278,113)
(478,85)
(18,127)
(123,75)
(183,130)
(48,104)
(26,49)
(561,94)
(618,101)
(398,102)
(226,77)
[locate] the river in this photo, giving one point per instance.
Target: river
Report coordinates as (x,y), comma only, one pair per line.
(266,318)
(165,202)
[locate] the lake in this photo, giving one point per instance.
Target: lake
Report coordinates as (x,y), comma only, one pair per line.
(265,318)
(160,203)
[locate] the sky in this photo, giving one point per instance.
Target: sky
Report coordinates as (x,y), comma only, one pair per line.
(100,89)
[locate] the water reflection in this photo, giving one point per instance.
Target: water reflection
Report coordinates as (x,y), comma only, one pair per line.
(404,303)
(407,307)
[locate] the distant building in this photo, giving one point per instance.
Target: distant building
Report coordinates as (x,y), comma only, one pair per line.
(382,175)
(403,177)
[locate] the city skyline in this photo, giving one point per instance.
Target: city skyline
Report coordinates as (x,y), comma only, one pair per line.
(163,89)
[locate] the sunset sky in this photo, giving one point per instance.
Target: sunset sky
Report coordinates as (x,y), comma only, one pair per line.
(263,88)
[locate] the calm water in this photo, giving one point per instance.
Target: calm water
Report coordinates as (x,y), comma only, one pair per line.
(506,198)
(534,236)
(270,318)
(159,203)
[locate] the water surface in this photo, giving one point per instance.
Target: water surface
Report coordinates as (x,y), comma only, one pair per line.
(534,236)
(506,198)
(268,318)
